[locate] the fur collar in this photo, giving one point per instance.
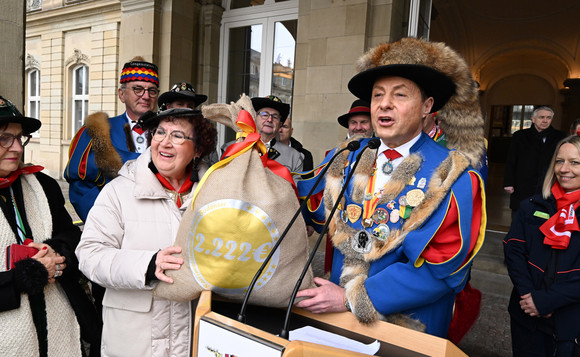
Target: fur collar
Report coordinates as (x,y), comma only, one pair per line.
(107,158)
(439,185)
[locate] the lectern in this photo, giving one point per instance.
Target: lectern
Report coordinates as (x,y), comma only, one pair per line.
(218,334)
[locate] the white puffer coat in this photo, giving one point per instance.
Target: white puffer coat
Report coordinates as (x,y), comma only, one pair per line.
(134,217)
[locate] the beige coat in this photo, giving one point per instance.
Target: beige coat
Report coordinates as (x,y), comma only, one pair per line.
(133,217)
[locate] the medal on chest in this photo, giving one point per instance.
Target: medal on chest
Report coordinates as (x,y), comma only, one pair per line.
(362,242)
(387,167)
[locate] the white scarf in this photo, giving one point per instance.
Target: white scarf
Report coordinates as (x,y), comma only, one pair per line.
(16,326)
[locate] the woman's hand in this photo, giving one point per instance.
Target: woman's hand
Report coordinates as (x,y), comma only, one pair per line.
(327,297)
(53,262)
(166,261)
(527,304)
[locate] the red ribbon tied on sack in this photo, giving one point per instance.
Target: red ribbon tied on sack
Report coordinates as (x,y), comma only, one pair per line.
(253,138)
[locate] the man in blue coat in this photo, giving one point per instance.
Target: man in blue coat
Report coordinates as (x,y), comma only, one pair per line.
(413,217)
(103,144)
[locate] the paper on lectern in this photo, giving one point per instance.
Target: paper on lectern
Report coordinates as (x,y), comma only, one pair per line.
(314,335)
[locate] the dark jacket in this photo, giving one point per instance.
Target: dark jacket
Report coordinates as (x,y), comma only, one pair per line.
(527,161)
(552,276)
(30,276)
(308,163)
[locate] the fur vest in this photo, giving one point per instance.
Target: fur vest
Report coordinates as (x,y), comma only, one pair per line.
(17,328)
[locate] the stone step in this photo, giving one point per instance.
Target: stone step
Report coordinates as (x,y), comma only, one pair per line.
(493,244)
(488,272)
(491,283)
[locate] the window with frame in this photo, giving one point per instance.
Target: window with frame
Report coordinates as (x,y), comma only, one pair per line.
(257,51)
(33,97)
(411,18)
(80,97)
(521,117)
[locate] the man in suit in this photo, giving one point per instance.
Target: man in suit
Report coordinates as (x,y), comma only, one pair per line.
(529,155)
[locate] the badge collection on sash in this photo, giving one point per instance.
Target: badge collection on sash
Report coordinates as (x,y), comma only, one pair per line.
(374,219)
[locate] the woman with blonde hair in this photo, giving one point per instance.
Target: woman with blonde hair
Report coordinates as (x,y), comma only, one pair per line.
(542,253)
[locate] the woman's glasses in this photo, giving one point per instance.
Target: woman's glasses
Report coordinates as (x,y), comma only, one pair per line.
(6,139)
(177,137)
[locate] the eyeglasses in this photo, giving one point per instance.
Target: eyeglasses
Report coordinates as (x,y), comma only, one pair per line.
(6,140)
(139,91)
(266,115)
(177,137)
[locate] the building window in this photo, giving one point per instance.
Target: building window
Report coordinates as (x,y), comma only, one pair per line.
(32,5)
(411,18)
(80,96)
(239,4)
(521,117)
(258,50)
(33,96)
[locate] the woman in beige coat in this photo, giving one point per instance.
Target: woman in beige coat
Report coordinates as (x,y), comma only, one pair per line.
(128,238)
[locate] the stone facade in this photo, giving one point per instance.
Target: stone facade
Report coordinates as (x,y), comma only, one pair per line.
(185,38)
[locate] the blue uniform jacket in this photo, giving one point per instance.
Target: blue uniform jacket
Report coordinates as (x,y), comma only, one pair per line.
(85,178)
(401,280)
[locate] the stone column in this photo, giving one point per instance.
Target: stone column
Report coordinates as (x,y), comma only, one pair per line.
(139,33)
(12,27)
(208,52)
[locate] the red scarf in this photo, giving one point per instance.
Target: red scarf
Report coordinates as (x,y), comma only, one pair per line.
(559,227)
(184,188)
(8,180)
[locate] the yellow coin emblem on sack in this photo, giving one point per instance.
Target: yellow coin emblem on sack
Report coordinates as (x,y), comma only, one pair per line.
(228,241)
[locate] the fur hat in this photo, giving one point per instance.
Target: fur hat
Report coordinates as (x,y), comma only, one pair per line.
(182,91)
(421,61)
(358,107)
(9,114)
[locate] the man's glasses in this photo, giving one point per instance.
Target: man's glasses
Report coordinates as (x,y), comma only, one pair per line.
(177,137)
(6,140)
(266,115)
(139,91)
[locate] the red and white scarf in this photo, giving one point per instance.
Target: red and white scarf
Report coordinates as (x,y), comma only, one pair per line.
(559,227)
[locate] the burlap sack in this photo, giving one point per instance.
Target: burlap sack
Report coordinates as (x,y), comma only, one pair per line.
(239,211)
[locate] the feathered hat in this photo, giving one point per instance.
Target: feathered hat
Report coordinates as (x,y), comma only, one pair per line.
(443,74)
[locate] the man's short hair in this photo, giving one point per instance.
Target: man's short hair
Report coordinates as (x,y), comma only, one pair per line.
(535,112)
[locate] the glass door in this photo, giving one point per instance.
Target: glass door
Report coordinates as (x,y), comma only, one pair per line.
(257,54)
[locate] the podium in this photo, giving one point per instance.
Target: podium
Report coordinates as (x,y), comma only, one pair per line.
(218,333)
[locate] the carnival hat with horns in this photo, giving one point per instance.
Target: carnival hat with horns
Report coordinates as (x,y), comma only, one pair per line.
(443,74)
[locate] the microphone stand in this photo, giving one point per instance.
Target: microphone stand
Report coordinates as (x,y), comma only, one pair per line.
(352,146)
(373,144)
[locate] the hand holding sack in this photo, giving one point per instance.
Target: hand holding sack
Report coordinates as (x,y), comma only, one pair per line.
(241,207)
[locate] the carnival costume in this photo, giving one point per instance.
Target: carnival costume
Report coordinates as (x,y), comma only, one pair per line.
(408,248)
(101,147)
(96,154)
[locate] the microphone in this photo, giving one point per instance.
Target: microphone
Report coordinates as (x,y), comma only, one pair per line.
(352,146)
(372,144)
